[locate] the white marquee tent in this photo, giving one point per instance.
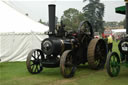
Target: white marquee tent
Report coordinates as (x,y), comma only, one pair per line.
(18,34)
(119,31)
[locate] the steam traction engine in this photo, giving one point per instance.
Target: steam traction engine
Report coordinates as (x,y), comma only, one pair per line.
(67,49)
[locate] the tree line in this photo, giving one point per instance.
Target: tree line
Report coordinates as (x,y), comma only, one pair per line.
(92,12)
(115,24)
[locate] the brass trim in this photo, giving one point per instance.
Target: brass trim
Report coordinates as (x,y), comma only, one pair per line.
(72,44)
(62,45)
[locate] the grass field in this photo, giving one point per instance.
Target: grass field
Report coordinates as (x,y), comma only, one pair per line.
(15,73)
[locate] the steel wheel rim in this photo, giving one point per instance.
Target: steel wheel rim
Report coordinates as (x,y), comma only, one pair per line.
(100,54)
(34,61)
(97,54)
(68,65)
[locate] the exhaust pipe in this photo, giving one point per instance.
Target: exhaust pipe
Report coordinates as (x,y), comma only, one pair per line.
(52,19)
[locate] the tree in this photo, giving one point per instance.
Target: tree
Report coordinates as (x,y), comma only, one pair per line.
(123,23)
(94,12)
(111,24)
(71,18)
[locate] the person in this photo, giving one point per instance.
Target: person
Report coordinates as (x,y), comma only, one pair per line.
(110,43)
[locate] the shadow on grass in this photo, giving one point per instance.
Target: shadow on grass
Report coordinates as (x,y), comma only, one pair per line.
(123,72)
(124,75)
(83,67)
(2,66)
(55,72)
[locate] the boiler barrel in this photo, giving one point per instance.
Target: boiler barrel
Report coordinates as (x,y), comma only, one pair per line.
(55,46)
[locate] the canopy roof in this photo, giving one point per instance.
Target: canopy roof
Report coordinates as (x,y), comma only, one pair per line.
(118,30)
(13,21)
(120,10)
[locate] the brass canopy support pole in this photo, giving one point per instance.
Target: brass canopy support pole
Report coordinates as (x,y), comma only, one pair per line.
(126,12)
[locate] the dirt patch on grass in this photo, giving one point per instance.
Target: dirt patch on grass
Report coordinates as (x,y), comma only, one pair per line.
(73,80)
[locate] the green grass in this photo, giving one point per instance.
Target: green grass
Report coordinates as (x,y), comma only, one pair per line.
(15,73)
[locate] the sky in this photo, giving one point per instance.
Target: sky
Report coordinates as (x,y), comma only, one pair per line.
(38,9)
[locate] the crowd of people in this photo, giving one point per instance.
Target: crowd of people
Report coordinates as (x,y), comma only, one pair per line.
(109,40)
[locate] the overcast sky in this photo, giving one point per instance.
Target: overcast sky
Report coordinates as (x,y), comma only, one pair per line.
(38,9)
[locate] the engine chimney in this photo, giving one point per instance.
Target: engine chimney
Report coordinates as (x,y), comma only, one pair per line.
(51,19)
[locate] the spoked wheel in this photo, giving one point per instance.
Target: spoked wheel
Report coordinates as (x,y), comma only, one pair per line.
(66,64)
(113,64)
(34,61)
(97,53)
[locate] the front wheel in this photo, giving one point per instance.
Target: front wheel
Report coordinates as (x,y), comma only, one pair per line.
(113,64)
(67,67)
(34,61)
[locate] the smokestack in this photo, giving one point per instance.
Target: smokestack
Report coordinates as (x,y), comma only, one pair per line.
(52,19)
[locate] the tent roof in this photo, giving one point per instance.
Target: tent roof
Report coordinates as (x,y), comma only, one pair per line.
(13,21)
(118,30)
(120,10)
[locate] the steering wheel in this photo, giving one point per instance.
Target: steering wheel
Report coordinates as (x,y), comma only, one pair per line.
(85,28)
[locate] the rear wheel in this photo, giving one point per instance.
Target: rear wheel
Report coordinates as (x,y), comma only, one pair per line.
(97,53)
(113,64)
(66,64)
(34,61)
